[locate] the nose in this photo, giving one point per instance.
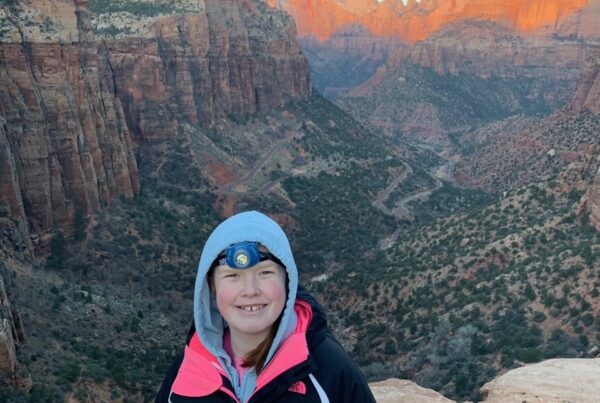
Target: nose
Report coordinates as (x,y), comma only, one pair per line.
(251,287)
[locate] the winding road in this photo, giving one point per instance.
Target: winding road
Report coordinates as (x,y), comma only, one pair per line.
(401,210)
(233,187)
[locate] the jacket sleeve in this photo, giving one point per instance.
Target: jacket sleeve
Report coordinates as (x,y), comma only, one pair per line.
(165,389)
(340,378)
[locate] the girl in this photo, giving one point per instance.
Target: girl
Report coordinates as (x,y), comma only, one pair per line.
(258,336)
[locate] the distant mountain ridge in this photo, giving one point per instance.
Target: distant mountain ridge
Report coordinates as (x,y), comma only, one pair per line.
(417,20)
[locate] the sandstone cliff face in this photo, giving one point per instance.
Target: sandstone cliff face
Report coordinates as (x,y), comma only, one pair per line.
(587,94)
(11,334)
(416,21)
(235,57)
(591,199)
(493,50)
(65,145)
(587,97)
(73,103)
(558,380)
(346,59)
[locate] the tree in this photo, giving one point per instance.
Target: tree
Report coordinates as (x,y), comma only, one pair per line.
(80,225)
(530,292)
(58,248)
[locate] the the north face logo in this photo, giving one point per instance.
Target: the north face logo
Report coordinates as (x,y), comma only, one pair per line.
(298,387)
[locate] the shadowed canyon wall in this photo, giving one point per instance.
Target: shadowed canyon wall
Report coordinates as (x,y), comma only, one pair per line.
(587,94)
(587,97)
(76,97)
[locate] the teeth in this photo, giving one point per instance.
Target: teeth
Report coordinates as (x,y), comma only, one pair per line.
(251,308)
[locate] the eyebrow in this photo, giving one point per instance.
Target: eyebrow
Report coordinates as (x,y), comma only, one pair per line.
(226,270)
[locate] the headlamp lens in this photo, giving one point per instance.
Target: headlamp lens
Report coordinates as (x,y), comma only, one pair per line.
(241,259)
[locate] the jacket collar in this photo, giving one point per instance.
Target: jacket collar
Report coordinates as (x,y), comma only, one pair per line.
(201,374)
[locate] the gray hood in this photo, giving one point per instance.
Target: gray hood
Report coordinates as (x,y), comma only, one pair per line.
(248,226)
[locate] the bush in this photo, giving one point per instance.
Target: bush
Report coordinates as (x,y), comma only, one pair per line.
(587,319)
(539,317)
(58,248)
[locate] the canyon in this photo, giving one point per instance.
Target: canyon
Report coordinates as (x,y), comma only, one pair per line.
(74,104)
(129,130)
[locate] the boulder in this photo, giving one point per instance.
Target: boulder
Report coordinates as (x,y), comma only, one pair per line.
(399,390)
(556,380)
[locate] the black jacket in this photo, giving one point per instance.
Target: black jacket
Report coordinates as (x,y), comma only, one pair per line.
(327,375)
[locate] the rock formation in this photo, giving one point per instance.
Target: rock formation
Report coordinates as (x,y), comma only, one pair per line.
(557,380)
(493,50)
(346,59)
(587,94)
(587,97)
(590,202)
(8,355)
(417,20)
(11,334)
(77,93)
(205,66)
(399,390)
(64,142)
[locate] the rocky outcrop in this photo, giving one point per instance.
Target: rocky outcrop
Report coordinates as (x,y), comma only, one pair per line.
(232,58)
(64,142)
(557,380)
(8,354)
(587,94)
(493,50)
(587,98)
(412,21)
(346,59)
(77,92)
(500,69)
(11,333)
(398,390)
(590,202)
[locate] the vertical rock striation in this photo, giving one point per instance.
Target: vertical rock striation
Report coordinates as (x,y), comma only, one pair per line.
(417,20)
(587,97)
(74,103)
(592,199)
(587,94)
(64,143)
(11,334)
(234,57)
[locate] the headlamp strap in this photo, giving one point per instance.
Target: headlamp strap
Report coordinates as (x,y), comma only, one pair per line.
(243,255)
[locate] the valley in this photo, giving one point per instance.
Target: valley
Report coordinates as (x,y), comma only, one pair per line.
(437,170)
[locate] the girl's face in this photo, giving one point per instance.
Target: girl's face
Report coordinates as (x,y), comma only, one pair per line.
(250,300)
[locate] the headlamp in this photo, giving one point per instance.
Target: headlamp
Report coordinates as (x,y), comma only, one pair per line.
(243,255)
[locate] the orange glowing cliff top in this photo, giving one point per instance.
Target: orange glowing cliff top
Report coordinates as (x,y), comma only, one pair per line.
(413,20)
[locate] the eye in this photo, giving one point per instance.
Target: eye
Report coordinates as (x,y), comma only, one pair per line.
(266,272)
(231,275)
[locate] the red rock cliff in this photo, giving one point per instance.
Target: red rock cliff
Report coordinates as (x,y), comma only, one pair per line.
(74,103)
(587,97)
(490,49)
(417,21)
(587,94)
(63,141)
(234,57)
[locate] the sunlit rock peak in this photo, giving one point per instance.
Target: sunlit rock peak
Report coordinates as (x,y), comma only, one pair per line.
(413,20)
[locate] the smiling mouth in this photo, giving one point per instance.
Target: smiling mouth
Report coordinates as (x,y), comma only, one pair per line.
(251,308)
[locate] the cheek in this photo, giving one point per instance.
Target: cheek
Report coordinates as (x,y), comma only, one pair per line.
(276,292)
(225,297)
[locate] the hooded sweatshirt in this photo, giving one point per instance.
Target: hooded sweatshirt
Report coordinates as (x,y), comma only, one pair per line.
(305,362)
(210,325)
